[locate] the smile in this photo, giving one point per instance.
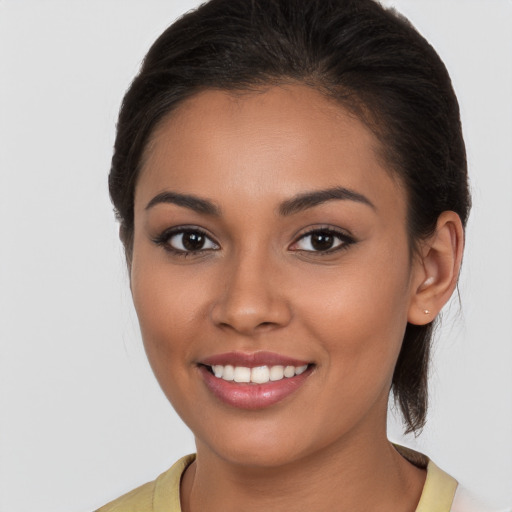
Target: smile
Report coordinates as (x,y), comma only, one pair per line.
(258,374)
(253,381)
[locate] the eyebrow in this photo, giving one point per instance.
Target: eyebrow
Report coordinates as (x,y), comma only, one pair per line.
(291,206)
(307,200)
(192,202)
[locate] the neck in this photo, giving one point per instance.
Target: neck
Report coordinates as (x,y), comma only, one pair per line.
(360,474)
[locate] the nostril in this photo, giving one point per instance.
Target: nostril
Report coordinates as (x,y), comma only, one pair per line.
(248,313)
(263,326)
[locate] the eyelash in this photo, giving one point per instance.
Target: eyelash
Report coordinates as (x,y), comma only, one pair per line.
(164,238)
(345,241)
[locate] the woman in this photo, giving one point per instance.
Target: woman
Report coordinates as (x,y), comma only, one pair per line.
(290,180)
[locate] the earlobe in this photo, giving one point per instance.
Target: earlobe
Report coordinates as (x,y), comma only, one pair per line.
(437,269)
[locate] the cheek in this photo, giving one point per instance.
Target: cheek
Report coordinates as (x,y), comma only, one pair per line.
(359,314)
(167,306)
(167,310)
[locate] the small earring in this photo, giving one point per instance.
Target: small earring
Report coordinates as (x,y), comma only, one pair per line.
(426,311)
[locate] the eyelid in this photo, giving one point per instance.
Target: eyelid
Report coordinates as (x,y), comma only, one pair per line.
(165,236)
(345,238)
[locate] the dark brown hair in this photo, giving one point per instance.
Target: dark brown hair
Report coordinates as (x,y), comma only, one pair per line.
(370,59)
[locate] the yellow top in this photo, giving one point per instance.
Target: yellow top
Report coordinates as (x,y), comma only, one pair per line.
(163,494)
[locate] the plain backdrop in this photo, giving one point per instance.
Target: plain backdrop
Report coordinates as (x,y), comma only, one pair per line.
(82,418)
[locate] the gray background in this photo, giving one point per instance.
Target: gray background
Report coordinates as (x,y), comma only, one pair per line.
(82,419)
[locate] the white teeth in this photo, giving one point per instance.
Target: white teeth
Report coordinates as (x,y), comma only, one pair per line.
(258,374)
(301,369)
(276,373)
(289,371)
(242,374)
(228,373)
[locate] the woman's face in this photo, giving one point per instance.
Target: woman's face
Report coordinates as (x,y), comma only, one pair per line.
(268,235)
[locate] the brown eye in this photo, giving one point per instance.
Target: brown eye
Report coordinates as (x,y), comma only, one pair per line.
(190,241)
(193,241)
(322,240)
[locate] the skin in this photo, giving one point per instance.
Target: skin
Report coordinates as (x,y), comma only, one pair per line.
(258,285)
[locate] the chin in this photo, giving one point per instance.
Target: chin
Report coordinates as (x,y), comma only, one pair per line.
(271,442)
(259,453)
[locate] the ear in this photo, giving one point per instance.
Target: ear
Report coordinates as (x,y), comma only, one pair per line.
(436,269)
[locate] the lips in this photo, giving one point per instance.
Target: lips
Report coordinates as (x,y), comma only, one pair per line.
(253,381)
(252,360)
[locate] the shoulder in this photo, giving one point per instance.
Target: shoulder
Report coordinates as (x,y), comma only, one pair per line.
(155,496)
(439,488)
(438,492)
(138,500)
(441,492)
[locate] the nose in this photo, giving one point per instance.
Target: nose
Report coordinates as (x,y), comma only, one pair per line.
(252,298)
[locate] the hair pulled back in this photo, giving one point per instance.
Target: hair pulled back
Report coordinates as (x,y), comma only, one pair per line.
(368,58)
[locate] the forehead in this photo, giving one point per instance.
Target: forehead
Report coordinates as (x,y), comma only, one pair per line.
(275,142)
